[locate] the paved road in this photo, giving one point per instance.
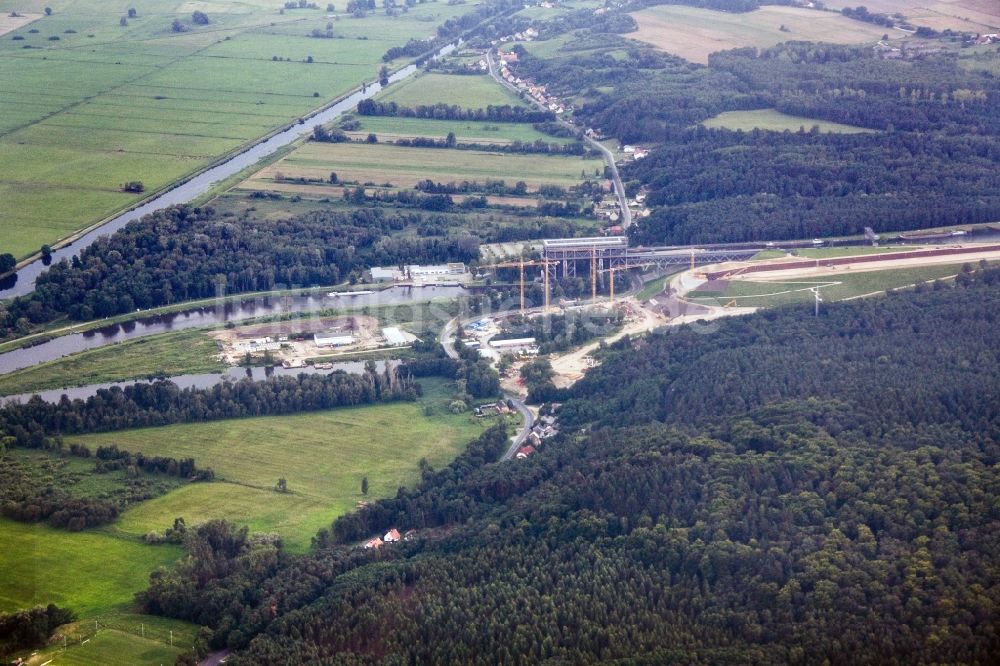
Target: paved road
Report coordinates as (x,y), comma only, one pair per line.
(609,159)
(447,340)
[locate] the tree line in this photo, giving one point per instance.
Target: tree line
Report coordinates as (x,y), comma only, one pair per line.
(502,113)
(163,402)
(538,146)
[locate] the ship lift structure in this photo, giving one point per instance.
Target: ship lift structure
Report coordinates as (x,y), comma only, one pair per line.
(560,257)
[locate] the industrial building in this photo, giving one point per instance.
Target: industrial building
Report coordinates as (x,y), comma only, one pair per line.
(437,270)
(386,274)
(417,272)
(515,346)
(322,340)
(394,337)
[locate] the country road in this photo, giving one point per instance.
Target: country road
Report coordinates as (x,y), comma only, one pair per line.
(447,340)
(609,159)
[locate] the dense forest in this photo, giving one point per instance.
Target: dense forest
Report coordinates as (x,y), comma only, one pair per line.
(786,489)
(929,155)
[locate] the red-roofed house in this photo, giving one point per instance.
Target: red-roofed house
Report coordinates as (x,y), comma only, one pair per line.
(374,542)
(391,535)
(524,452)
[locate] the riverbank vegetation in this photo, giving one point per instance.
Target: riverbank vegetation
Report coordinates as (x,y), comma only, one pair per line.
(163,355)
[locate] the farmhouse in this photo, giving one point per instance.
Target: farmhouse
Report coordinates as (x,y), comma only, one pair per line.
(391,536)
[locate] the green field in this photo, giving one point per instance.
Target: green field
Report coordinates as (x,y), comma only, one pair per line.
(157,355)
(387,128)
(322,455)
(832,288)
(654,287)
(106,104)
(404,167)
(769,119)
(467,91)
(111,646)
(768,254)
(832,252)
(43,565)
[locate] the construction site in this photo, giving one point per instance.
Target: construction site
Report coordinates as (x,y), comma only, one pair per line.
(293,344)
(716,282)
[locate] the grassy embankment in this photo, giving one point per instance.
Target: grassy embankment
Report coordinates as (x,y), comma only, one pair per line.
(832,288)
(165,354)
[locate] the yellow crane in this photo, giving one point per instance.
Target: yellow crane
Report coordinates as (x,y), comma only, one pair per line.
(520,264)
(611,282)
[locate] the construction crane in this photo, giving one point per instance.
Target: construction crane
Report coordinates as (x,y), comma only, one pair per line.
(611,282)
(520,265)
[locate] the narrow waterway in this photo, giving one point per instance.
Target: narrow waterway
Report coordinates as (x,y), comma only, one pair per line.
(214,315)
(23,281)
(199,381)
